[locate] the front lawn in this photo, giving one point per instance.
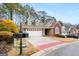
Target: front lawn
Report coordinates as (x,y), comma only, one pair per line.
(65,39)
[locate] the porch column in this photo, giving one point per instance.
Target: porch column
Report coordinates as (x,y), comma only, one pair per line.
(43,31)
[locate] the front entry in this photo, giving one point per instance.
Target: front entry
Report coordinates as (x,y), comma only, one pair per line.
(48,32)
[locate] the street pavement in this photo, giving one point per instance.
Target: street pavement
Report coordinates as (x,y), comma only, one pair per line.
(68,50)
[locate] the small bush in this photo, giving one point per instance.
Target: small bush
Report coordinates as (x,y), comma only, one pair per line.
(58,35)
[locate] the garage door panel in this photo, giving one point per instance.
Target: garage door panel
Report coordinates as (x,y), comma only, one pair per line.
(35,33)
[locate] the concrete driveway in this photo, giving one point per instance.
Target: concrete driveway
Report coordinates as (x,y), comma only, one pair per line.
(43,42)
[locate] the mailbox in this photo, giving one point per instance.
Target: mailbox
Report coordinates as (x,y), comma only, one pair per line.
(20,38)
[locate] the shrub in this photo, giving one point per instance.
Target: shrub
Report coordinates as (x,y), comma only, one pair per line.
(8,25)
(59,35)
(7,36)
(7,28)
(4,28)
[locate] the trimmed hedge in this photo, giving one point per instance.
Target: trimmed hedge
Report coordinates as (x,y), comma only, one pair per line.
(58,35)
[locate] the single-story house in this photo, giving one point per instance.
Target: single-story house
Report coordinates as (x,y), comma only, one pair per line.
(69,30)
(73,30)
(44,30)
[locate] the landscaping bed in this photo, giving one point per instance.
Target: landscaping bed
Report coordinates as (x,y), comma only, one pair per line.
(66,39)
(29,50)
(6,36)
(62,38)
(58,35)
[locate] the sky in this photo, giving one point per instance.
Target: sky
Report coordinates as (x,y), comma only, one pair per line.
(61,11)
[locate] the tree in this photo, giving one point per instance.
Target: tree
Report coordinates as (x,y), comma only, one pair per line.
(31,13)
(54,19)
(50,18)
(11,8)
(67,25)
(77,26)
(42,16)
(3,13)
(34,23)
(42,13)
(43,19)
(61,22)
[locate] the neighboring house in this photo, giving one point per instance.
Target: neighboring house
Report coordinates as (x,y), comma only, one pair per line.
(69,30)
(63,30)
(77,31)
(73,30)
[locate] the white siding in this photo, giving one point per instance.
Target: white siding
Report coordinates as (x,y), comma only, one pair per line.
(34,32)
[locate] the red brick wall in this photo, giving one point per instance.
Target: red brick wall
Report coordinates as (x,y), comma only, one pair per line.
(57,25)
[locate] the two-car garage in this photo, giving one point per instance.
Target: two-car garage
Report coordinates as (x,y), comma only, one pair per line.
(39,31)
(34,32)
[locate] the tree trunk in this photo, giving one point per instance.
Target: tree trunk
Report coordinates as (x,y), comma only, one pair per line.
(11,14)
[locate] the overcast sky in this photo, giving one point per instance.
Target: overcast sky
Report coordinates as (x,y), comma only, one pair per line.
(64,12)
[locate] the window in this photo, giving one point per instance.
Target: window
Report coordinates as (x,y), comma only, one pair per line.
(57,30)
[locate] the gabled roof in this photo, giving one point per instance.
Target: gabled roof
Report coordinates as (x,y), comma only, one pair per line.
(55,24)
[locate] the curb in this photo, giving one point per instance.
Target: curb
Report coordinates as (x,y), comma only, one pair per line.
(44,52)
